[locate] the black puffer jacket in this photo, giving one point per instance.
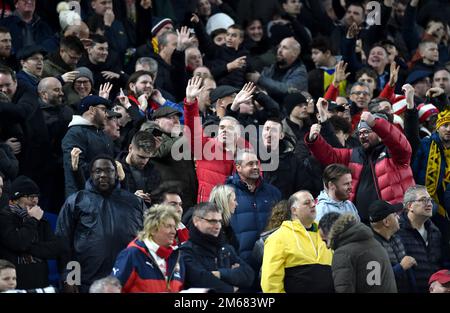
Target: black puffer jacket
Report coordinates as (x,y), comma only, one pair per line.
(98,227)
(28,243)
(360,263)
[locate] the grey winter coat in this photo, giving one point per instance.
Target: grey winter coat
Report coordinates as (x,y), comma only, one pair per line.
(360,264)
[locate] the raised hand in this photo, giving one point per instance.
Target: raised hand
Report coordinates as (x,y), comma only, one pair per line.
(193,89)
(434,92)
(368,118)
(314,132)
(35,212)
(143,102)
(104,90)
(110,75)
(157,97)
(75,158)
(145,4)
(69,77)
(322,108)
(108,17)
(183,40)
(194,18)
(246,94)
(120,171)
(237,63)
(393,76)
(339,73)
(353,31)
(124,101)
(408,90)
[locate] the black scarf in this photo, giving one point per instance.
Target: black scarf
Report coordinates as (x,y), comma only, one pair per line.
(207,241)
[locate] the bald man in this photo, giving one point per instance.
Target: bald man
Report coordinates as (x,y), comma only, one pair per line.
(287,75)
(57,117)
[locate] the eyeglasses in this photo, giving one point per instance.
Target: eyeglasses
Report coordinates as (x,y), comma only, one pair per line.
(359,93)
(364,133)
(82,82)
(424,200)
(212,221)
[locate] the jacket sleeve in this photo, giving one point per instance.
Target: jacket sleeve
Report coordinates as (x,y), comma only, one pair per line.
(343,273)
(329,134)
(198,276)
(9,165)
(51,246)
(395,141)
(271,107)
(66,224)
(194,132)
(298,79)
(332,92)
(241,276)
(71,140)
(18,238)
(412,129)
(272,270)
(123,269)
(326,154)
(419,165)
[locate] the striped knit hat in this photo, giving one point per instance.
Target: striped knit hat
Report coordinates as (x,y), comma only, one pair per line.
(425,111)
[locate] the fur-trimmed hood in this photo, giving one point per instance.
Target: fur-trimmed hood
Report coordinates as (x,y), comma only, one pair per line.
(347,229)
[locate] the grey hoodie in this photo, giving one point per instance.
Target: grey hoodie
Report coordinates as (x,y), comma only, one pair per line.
(325,205)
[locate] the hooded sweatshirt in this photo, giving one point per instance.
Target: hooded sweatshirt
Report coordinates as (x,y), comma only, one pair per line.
(326,205)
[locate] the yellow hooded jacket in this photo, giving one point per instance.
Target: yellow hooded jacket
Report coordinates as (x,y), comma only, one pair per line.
(291,246)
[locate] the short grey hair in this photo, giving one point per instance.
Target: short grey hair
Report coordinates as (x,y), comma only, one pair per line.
(151,63)
(99,286)
(361,84)
(411,194)
(241,153)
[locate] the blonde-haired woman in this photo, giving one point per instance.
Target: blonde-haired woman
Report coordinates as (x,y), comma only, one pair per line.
(150,263)
(224,197)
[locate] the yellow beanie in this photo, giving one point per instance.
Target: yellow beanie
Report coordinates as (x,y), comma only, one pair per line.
(443,118)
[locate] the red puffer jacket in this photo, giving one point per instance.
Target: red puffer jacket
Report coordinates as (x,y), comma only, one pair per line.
(214,164)
(392,167)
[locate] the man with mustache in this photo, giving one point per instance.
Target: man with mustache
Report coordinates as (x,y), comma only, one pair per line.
(380,166)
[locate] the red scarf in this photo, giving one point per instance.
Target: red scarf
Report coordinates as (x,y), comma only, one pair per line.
(182,234)
(165,252)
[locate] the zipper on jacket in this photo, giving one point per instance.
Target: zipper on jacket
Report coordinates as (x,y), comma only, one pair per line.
(372,168)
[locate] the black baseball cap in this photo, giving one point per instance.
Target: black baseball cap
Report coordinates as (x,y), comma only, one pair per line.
(380,209)
(221,92)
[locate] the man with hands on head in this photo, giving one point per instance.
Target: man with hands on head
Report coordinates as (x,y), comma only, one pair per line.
(380,166)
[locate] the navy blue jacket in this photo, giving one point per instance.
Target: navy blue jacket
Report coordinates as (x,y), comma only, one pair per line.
(92,142)
(97,227)
(428,257)
(42,33)
(252,213)
(204,253)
